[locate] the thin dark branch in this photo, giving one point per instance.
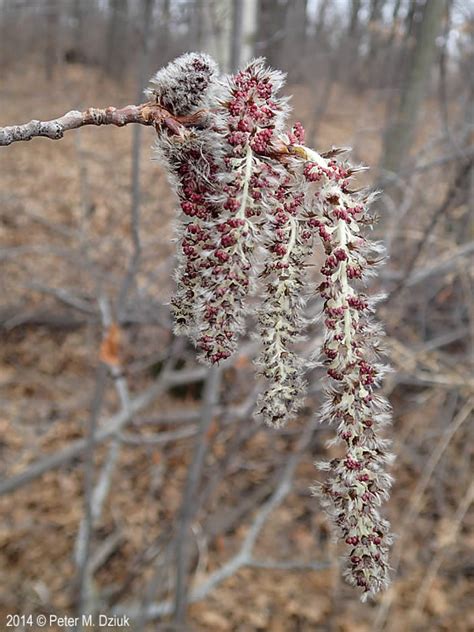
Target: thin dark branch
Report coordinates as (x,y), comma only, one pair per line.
(452,198)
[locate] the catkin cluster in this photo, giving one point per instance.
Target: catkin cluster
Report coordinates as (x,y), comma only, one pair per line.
(254,203)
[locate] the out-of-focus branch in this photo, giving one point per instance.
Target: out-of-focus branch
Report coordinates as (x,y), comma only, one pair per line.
(20,315)
(110,427)
(64,296)
(83,540)
(188,507)
(412,511)
(244,557)
(96,493)
(454,196)
(102,487)
(159,438)
(134,264)
(442,552)
(447,263)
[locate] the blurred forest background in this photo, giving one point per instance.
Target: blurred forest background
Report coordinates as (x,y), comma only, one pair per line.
(181,497)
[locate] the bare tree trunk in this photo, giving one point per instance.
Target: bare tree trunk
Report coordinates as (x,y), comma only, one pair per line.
(392,53)
(78,37)
(243,33)
(400,134)
(203,27)
(146,27)
(321,19)
(213,28)
(350,49)
(354,20)
(413,20)
(164,25)
(52,27)
(271,30)
(115,54)
(295,41)
(221,20)
(443,80)
(375,17)
(375,45)
(237,31)
(4,22)
(393,31)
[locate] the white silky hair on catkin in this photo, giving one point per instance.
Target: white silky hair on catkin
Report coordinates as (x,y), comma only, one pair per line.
(183,85)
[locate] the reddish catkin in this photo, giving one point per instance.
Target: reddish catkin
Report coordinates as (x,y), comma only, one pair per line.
(249,116)
(357,483)
(254,201)
(191,159)
(280,318)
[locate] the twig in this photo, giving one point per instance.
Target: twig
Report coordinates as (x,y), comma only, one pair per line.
(159,438)
(436,562)
(149,113)
(82,548)
(245,555)
(451,199)
(144,114)
(188,506)
(415,501)
(136,191)
(110,427)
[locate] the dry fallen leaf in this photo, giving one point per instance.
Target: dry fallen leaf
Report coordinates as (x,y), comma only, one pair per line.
(110,347)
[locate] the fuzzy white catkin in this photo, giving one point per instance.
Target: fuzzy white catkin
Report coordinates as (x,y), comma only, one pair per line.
(357,483)
(191,159)
(184,85)
(246,186)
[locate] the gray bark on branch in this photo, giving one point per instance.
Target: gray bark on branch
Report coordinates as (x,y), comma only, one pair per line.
(149,113)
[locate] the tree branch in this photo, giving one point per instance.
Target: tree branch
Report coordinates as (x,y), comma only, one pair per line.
(188,507)
(110,427)
(244,557)
(149,113)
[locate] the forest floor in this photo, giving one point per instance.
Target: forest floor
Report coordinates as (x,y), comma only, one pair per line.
(63,203)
